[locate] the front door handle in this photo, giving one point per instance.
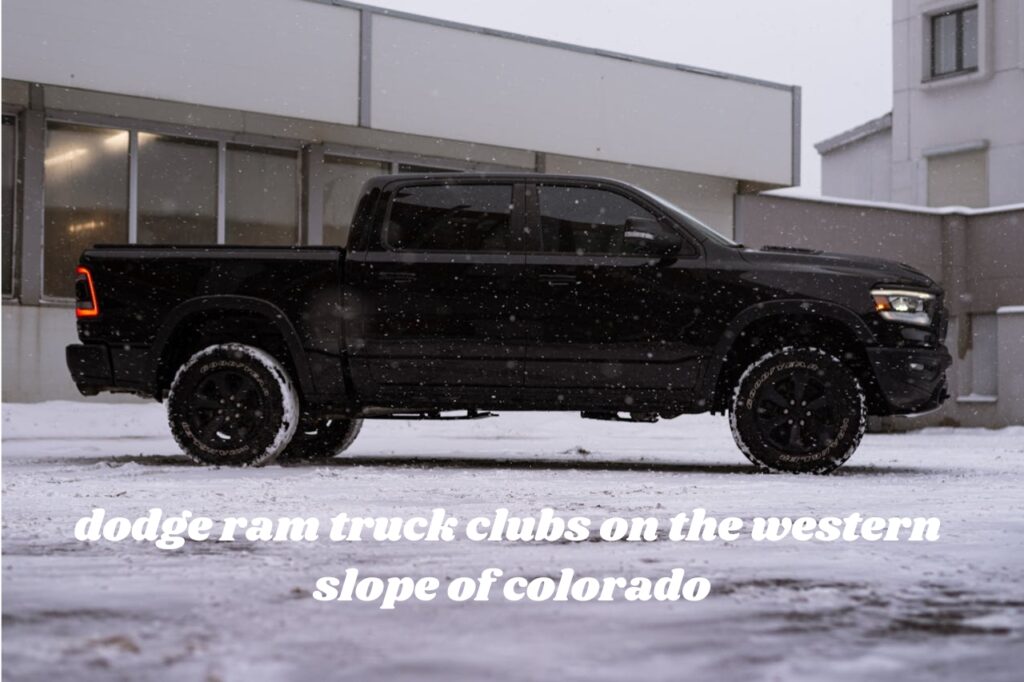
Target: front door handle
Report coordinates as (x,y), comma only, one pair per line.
(559,280)
(397,276)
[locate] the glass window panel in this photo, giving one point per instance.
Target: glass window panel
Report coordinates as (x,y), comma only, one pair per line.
(343,179)
(583,220)
(943,44)
(9,169)
(86,190)
(451,218)
(262,197)
(177,190)
(970,38)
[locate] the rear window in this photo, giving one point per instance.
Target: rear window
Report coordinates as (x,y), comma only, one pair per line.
(455,217)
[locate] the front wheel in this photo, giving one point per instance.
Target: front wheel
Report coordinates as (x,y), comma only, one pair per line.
(233,405)
(798,410)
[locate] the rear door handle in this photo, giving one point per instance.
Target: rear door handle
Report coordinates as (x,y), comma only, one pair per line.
(397,276)
(559,280)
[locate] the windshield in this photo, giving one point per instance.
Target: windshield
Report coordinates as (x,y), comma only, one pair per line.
(704,232)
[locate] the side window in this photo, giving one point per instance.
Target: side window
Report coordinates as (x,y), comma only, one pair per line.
(454,217)
(588,221)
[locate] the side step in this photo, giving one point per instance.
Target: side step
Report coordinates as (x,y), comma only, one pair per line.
(436,414)
(640,417)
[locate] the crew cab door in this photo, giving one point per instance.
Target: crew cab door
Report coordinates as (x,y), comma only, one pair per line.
(432,302)
(608,317)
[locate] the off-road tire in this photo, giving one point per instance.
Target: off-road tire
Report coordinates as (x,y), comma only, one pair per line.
(798,410)
(232,405)
(319,439)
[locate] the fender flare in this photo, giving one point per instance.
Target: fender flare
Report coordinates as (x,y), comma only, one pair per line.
(226,303)
(759,311)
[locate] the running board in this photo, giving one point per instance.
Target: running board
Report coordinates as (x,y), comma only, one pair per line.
(641,417)
(436,415)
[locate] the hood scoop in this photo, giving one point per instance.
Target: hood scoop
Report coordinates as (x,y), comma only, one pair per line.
(790,249)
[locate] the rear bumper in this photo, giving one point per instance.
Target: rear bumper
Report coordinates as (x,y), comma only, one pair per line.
(911,379)
(96,367)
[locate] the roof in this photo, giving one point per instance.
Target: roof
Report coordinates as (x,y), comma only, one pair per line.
(875,125)
(497,176)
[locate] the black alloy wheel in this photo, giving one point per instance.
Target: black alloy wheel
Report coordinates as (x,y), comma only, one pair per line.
(799,410)
(796,414)
(232,405)
(226,406)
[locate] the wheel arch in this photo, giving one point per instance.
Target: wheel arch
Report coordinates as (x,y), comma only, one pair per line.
(789,318)
(203,307)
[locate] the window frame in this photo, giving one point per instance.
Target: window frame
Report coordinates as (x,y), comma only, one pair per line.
(516,215)
(15,266)
(134,127)
(958,14)
(663,218)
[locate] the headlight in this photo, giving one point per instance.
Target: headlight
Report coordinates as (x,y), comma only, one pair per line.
(900,305)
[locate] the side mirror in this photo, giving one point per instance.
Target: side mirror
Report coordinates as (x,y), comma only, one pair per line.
(647,237)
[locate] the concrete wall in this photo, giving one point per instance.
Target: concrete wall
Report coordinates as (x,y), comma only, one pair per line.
(932,115)
(977,256)
(860,170)
(1010,405)
(994,261)
(908,236)
(33,342)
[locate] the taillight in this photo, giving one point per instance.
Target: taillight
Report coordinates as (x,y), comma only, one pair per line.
(85,294)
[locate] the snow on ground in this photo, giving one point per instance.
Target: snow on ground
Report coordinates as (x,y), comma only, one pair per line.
(788,611)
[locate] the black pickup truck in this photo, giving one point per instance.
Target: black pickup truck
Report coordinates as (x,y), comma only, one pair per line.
(460,294)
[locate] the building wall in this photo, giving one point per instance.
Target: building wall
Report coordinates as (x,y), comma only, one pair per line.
(34,338)
(465,85)
(270,56)
(978,258)
(911,237)
(860,170)
(933,117)
(345,64)
(941,126)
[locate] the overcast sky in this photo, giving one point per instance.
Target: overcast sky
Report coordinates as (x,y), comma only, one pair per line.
(839,51)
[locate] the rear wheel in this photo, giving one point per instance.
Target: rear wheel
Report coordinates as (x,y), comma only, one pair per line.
(321,438)
(798,410)
(233,405)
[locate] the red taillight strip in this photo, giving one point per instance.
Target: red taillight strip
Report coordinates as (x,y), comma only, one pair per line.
(87,312)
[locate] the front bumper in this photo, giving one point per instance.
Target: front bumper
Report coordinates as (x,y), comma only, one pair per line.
(97,367)
(911,379)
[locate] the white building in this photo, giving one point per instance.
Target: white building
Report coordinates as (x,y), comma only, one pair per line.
(256,121)
(956,132)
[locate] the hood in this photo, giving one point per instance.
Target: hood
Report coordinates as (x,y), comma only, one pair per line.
(880,269)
